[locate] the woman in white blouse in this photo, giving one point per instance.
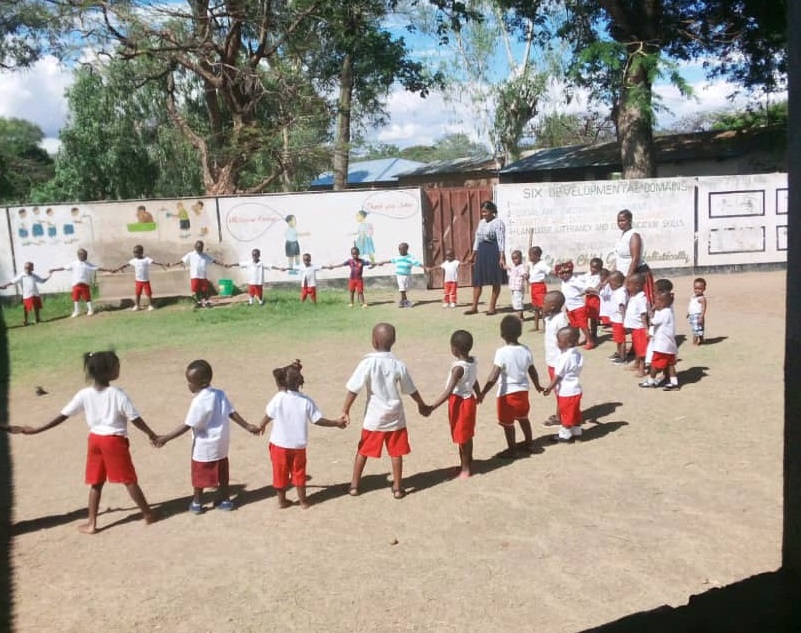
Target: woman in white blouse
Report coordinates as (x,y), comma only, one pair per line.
(629,253)
(488,257)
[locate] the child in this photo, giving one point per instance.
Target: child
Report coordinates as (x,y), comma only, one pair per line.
(696,310)
(555,319)
(663,340)
(513,364)
(255,268)
(592,302)
(308,278)
(403,272)
(575,288)
(619,301)
(141,266)
(208,417)
(385,378)
(450,282)
(356,277)
(82,275)
(198,263)
(537,271)
(636,320)
(606,308)
(566,383)
(291,411)
(518,279)
(29,284)
(463,393)
(108,410)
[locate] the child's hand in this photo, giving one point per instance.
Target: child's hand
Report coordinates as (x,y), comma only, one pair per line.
(480,398)
(539,388)
(159,441)
(254,430)
(346,417)
(546,391)
(342,422)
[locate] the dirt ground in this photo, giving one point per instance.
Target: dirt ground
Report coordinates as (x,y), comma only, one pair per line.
(669,495)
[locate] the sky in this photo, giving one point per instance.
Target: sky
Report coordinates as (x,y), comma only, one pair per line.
(37,95)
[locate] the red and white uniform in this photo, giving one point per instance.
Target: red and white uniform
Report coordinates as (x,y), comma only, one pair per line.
(513,402)
(29,286)
(568,392)
(291,412)
(663,341)
(620,299)
(462,402)
(198,264)
(633,320)
(450,281)
(553,323)
(537,272)
(141,266)
(255,273)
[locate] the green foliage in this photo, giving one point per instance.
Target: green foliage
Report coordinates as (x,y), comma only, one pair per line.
(750,118)
(448,147)
(559,129)
(23,163)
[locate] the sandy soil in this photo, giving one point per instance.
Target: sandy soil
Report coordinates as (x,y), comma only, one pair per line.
(670,494)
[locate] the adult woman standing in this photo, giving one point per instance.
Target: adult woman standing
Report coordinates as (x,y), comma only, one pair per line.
(629,253)
(488,257)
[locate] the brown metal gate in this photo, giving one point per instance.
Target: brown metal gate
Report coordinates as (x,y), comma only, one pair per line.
(450,217)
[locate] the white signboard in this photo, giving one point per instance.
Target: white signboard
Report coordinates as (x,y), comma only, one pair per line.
(577,220)
(325,225)
(742,219)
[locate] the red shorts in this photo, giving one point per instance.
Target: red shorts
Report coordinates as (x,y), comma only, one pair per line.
(308,291)
(593,305)
(639,341)
(108,458)
(81,291)
(513,406)
(397,443)
(450,290)
(289,464)
(618,333)
(32,303)
(662,361)
(462,418)
(605,320)
(356,285)
(255,290)
(142,287)
(578,317)
(210,474)
(199,286)
(538,290)
(569,408)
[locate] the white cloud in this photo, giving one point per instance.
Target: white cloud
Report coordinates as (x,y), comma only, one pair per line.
(36,94)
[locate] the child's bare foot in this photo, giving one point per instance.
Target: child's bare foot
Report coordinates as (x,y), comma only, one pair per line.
(150,517)
(283,504)
(464,474)
(304,504)
(87,528)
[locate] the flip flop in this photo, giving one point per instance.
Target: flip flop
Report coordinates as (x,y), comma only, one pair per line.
(398,493)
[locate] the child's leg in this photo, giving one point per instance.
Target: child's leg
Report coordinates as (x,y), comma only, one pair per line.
(89,309)
(283,503)
(139,499)
(90,527)
(302,499)
(403,296)
(352,295)
(25,316)
(358,468)
(361,298)
(465,458)
(511,443)
(197,495)
(36,318)
(525,426)
(397,477)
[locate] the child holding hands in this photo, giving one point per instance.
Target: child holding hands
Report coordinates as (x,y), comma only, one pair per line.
(29,284)
(208,417)
(462,393)
(513,365)
(291,411)
(108,410)
(566,383)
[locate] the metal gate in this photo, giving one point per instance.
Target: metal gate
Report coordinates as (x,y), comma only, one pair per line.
(450,217)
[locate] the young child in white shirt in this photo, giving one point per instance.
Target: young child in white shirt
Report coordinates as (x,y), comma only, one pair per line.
(696,310)
(662,335)
(574,288)
(291,411)
(538,270)
(636,320)
(29,284)
(567,386)
(198,263)
(450,283)
(555,319)
(83,274)
(141,266)
(255,270)
(208,418)
(619,301)
(308,278)
(518,280)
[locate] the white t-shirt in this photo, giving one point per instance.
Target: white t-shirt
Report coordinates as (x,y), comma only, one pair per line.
(607,308)
(198,266)
(637,306)
(573,289)
(695,306)
(385,378)
(29,284)
(291,412)
(82,272)
(537,272)
(514,361)
(107,411)
(620,299)
(141,266)
(664,337)
(211,430)
(308,275)
(553,323)
(568,367)
(255,271)
(464,386)
(451,270)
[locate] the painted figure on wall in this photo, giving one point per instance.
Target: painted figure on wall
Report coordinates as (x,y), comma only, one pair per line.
(37,227)
(291,243)
(52,228)
(183,220)
(364,236)
(69,227)
(22,227)
(197,209)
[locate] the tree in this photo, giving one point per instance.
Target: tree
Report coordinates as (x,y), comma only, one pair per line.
(28,28)
(23,163)
(558,129)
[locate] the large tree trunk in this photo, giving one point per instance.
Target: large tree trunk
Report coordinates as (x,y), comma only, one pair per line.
(635,123)
(342,143)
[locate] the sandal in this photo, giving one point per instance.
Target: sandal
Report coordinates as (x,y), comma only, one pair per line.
(398,493)
(353,491)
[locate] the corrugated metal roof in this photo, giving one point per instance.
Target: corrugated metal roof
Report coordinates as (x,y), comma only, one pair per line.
(456,165)
(370,171)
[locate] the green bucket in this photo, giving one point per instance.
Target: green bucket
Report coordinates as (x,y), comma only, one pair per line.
(226,287)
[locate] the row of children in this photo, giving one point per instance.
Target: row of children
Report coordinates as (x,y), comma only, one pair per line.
(383,377)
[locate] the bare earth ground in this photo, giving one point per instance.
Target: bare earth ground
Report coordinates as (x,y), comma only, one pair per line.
(670,494)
